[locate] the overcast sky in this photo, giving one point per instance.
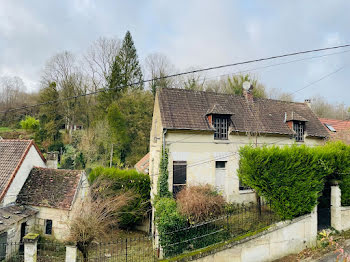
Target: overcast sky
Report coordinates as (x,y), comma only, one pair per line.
(191,33)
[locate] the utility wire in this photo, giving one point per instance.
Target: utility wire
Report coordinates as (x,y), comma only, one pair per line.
(179,74)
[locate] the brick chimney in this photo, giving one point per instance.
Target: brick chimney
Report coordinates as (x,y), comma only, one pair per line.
(52,160)
(248,91)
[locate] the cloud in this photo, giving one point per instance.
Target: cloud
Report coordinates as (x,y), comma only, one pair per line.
(197,33)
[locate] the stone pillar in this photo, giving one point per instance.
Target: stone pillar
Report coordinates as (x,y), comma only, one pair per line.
(30,247)
(71,253)
(313,227)
(336,207)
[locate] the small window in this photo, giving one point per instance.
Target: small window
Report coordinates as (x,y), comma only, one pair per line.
(299,128)
(242,186)
(179,176)
(221,124)
(331,128)
(220,164)
(48,227)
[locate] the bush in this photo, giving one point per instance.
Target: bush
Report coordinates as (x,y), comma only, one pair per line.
(30,124)
(168,220)
(123,180)
(290,177)
(200,203)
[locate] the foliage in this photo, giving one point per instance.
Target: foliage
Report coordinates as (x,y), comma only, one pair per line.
(97,216)
(71,159)
(130,120)
(200,203)
(235,85)
(291,177)
(123,180)
(163,186)
(125,72)
(30,123)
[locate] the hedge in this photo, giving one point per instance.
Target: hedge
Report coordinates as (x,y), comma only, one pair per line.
(292,178)
(127,179)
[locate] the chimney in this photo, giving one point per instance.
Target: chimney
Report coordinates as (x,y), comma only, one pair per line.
(248,91)
(52,160)
(308,102)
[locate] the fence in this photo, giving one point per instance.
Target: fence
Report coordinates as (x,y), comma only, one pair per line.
(239,220)
(11,252)
(50,251)
(130,249)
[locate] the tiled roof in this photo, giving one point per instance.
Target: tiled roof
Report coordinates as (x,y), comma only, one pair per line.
(293,116)
(338,125)
(47,187)
(12,154)
(12,214)
(143,165)
(187,109)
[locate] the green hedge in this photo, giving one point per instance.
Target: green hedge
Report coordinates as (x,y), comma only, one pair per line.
(128,179)
(292,178)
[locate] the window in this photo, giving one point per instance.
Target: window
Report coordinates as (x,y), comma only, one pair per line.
(243,186)
(220,175)
(331,128)
(48,227)
(221,124)
(299,127)
(179,176)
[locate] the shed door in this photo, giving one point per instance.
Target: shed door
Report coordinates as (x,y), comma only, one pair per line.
(220,174)
(3,243)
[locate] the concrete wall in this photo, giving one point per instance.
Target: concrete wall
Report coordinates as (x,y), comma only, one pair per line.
(340,216)
(32,159)
(345,218)
(281,240)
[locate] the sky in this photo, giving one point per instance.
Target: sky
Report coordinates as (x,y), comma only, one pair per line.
(192,34)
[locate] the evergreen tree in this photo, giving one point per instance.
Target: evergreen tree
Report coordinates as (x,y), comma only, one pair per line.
(50,116)
(126,71)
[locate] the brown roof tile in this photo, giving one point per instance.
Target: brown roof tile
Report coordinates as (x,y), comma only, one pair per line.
(142,165)
(47,187)
(187,109)
(12,154)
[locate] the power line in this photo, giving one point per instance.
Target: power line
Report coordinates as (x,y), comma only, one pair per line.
(179,74)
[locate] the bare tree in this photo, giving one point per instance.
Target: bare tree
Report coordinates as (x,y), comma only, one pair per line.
(322,108)
(99,59)
(158,65)
(11,89)
(97,216)
(278,94)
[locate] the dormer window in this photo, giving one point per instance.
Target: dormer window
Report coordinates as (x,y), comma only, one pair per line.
(299,129)
(221,124)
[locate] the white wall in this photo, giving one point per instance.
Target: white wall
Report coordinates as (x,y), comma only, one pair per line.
(286,238)
(200,150)
(32,159)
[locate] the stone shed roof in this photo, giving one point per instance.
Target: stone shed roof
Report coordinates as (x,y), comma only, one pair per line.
(12,155)
(187,109)
(142,166)
(12,214)
(54,188)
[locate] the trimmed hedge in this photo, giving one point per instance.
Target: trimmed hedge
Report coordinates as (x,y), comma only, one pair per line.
(292,178)
(128,179)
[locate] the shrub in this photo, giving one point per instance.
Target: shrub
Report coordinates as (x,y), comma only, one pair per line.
(200,203)
(163,186)
(30,124)
(122,180)
(290,177)
(168,220)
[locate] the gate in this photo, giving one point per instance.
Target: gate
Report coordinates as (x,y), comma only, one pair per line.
(324,208)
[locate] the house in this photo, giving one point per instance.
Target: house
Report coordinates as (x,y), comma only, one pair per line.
(337,129)
(203,132)
(56,194)
(142,165)
(27,182)
(15,223)
(17,158)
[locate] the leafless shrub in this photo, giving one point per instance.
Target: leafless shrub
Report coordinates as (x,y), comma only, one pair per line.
(200,203)
(97,215)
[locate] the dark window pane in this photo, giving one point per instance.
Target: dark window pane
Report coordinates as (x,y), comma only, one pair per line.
(221,127)
(220,164)
(48,227)
(177,189)
(299,127)
(179,173)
